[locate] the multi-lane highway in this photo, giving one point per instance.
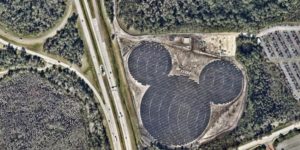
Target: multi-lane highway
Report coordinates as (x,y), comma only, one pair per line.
(95,25)
(114,130)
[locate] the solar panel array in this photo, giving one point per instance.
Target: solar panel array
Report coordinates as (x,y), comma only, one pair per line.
(149,63)
(222,80)
(176,110)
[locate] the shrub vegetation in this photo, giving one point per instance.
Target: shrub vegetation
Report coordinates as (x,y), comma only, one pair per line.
(46,108)
(10,57)
(67,42)
(27,17)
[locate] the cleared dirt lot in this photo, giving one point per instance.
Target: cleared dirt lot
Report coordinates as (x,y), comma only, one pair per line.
(225,42)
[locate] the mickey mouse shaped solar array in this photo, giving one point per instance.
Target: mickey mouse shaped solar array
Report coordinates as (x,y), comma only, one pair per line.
(176,110)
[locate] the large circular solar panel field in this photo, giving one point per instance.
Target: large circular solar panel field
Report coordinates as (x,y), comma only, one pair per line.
(176,110)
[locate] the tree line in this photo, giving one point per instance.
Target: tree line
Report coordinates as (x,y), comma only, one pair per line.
(155,16)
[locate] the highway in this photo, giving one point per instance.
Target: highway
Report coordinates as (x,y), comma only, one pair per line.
(114,126)
(108,114)
(102,50)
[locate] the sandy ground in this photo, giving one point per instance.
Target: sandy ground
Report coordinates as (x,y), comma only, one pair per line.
(224,41)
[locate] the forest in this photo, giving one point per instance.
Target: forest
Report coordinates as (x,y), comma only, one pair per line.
(28,17)
(67,42)
(68,82)
(74,120)
(157,16)
(55,105)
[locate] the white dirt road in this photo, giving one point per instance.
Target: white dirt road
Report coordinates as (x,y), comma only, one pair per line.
(278,28)
(269,138)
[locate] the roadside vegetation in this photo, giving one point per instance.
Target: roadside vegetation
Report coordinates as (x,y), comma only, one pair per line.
(27,17)
(152,16)
(10,57)
(67,42)
(269,99)
(109,6)
(261,147)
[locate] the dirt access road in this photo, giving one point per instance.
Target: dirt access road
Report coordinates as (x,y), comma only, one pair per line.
(269,138)
(278,28)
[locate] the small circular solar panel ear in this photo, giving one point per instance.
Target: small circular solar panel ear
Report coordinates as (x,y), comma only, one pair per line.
(223,80)
(149,62)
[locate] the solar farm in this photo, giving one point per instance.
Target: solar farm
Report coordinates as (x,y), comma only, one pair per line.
(174,109)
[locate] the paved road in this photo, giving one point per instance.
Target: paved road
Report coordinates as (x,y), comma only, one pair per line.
(290,144)
(102,50)
(269,138)
(278,28)
(114,127)
(105,107)
(44,36)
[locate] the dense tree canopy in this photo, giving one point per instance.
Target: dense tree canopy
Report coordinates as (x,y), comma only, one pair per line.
(205,15)
(67,42)
(12,58)
(30,16)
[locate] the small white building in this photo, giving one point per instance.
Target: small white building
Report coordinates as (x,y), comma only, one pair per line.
(186,40)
